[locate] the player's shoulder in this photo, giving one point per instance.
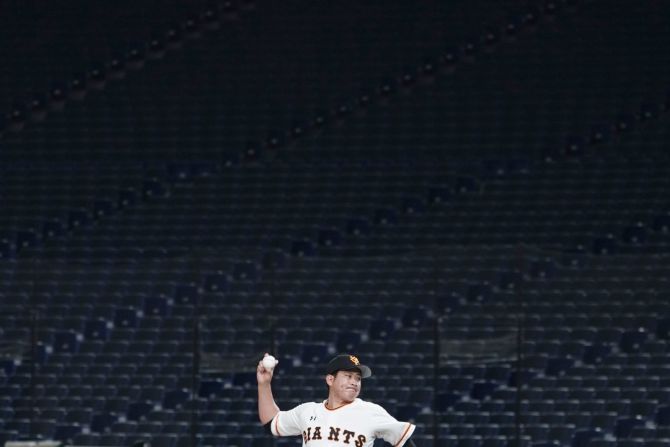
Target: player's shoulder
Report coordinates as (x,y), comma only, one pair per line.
(306,406)
(370,406)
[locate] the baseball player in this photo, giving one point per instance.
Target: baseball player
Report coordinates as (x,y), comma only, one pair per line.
(342,420)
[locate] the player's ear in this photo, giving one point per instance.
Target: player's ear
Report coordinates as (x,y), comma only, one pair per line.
(330,379)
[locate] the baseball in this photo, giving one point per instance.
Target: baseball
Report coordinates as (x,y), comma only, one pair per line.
(269,362)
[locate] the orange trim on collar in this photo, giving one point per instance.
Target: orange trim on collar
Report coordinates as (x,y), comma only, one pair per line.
(337,408)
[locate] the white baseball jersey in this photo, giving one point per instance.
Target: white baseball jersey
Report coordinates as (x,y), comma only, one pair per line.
(357,424)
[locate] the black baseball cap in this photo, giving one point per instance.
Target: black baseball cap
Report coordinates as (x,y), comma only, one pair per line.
(346,362)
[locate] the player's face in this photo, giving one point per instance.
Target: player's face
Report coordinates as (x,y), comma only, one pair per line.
(346,385)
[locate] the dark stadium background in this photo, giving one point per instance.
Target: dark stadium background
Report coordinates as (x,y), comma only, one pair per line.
(471,196)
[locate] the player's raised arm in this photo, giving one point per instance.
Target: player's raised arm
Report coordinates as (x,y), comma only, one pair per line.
(267,408)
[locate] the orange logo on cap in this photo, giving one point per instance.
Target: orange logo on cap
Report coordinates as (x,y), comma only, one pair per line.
(354,360)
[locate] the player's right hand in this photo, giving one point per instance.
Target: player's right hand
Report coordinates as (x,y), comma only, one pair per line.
(263,375)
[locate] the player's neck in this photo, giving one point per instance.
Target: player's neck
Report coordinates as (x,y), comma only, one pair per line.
(333,403)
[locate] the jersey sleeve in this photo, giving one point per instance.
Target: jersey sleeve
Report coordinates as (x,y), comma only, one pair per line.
(288,423)
(390,429)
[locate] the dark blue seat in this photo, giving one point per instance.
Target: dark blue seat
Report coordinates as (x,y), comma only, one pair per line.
(140,427)
(216,282)
(631,341)
(470,441)
(582,437)
(100,421)
(408,412)
(243,379)
(558,365)
(96,330)
(477,292)
(302,248)
(110,440)
(185,294)
(315,353)
(150,393)
(44,428)
(643,408)
(381,329)
(329,237)
(53,414)
(86,439)
(66,432)
(137,410)
(163,416)
(604,421)
(78,416)
(663,415)
(633,443)
(125,317)
(446,400)
(240,440)
(164,440)
(624,426)
(483,389)
(603,443)
(348,341)
(561,433)
(595,353)
(245,271)
(498,373)
(155,306)
(499,441)
(423,396)
(460,384)
(663,328)
(414,317)
(176,398)
(210,388)
(358,226)
(66,342)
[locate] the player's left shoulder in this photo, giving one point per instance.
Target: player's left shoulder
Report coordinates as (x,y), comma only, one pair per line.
(370,406)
